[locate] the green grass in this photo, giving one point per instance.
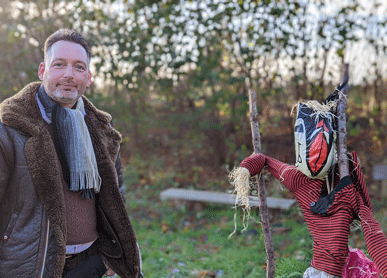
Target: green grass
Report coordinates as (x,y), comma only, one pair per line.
(179,240)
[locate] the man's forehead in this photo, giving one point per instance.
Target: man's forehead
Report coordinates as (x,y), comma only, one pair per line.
(67,50)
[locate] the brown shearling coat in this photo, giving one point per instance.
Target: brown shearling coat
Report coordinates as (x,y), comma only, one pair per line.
(32,222)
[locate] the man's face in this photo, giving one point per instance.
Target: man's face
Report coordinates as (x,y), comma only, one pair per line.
(65,72)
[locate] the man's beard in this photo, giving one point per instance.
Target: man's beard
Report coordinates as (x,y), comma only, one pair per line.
(66,96)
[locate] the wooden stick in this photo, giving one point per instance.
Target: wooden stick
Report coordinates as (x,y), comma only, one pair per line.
(342,124)
(270,269)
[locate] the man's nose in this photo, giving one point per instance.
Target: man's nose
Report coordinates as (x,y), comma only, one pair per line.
(69,72)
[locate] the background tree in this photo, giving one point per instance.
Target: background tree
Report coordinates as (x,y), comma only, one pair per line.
(175,74)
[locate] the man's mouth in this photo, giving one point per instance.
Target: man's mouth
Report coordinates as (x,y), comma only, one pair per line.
(68,87)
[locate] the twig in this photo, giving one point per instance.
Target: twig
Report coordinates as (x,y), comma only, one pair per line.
(342,124)
(270,270)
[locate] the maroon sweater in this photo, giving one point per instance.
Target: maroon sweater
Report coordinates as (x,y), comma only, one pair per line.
(330,233)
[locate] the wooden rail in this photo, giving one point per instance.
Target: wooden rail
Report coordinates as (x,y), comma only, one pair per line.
(379,173)
(220,198)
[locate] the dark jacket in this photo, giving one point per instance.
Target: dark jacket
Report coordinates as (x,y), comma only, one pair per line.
(32,209)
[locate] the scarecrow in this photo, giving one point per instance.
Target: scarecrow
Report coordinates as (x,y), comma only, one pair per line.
(329,203)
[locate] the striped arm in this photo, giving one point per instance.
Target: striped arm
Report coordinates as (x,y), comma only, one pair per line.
(254,163)
(285,173)
(375,239)
(358,179)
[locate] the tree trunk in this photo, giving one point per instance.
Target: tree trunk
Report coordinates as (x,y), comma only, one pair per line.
(270,270)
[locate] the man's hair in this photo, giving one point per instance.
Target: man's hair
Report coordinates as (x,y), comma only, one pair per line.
(66,35)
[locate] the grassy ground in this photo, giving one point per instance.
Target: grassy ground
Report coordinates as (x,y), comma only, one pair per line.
(180,239)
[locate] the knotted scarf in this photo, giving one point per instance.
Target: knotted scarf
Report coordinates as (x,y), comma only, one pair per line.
(73,145)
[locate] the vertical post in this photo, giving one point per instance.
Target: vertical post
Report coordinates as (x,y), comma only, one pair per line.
(342,124)
(270,269)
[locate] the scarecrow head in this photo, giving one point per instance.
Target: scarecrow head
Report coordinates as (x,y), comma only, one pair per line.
(315,139)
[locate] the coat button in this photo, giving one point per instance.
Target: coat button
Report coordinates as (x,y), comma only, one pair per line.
(5,237)
(313,204)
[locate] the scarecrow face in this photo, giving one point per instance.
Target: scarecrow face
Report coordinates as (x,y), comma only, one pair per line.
(314,142)
(300,141)
(318,147)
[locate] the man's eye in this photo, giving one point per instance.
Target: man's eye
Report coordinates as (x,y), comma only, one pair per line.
(59,65)
(80,68)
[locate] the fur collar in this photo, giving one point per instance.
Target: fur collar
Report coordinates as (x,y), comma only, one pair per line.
(21,112)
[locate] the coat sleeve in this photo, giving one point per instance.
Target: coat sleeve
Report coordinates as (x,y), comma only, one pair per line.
(285,173)
(6,159)
(120,176)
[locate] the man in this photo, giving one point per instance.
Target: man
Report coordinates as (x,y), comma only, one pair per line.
(62,214)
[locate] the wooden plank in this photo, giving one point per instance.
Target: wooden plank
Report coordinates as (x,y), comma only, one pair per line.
(221,198)
(380,172)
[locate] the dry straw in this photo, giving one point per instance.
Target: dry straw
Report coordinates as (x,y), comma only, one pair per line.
(240,178)
(323,110)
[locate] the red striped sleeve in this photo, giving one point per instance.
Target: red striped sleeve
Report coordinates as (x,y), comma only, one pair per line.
(375,239)
(254,163)
(358,179)
(285,173)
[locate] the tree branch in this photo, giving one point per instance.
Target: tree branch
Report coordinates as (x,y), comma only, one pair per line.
(270,270)
(342,124)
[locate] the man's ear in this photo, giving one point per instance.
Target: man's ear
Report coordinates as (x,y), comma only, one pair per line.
(41,70)
(89,80)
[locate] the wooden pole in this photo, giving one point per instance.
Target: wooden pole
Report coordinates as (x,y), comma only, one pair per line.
(254,121)
(342,124)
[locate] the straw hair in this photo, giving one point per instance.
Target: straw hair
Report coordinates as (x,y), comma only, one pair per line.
(320,110)
(317,106)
